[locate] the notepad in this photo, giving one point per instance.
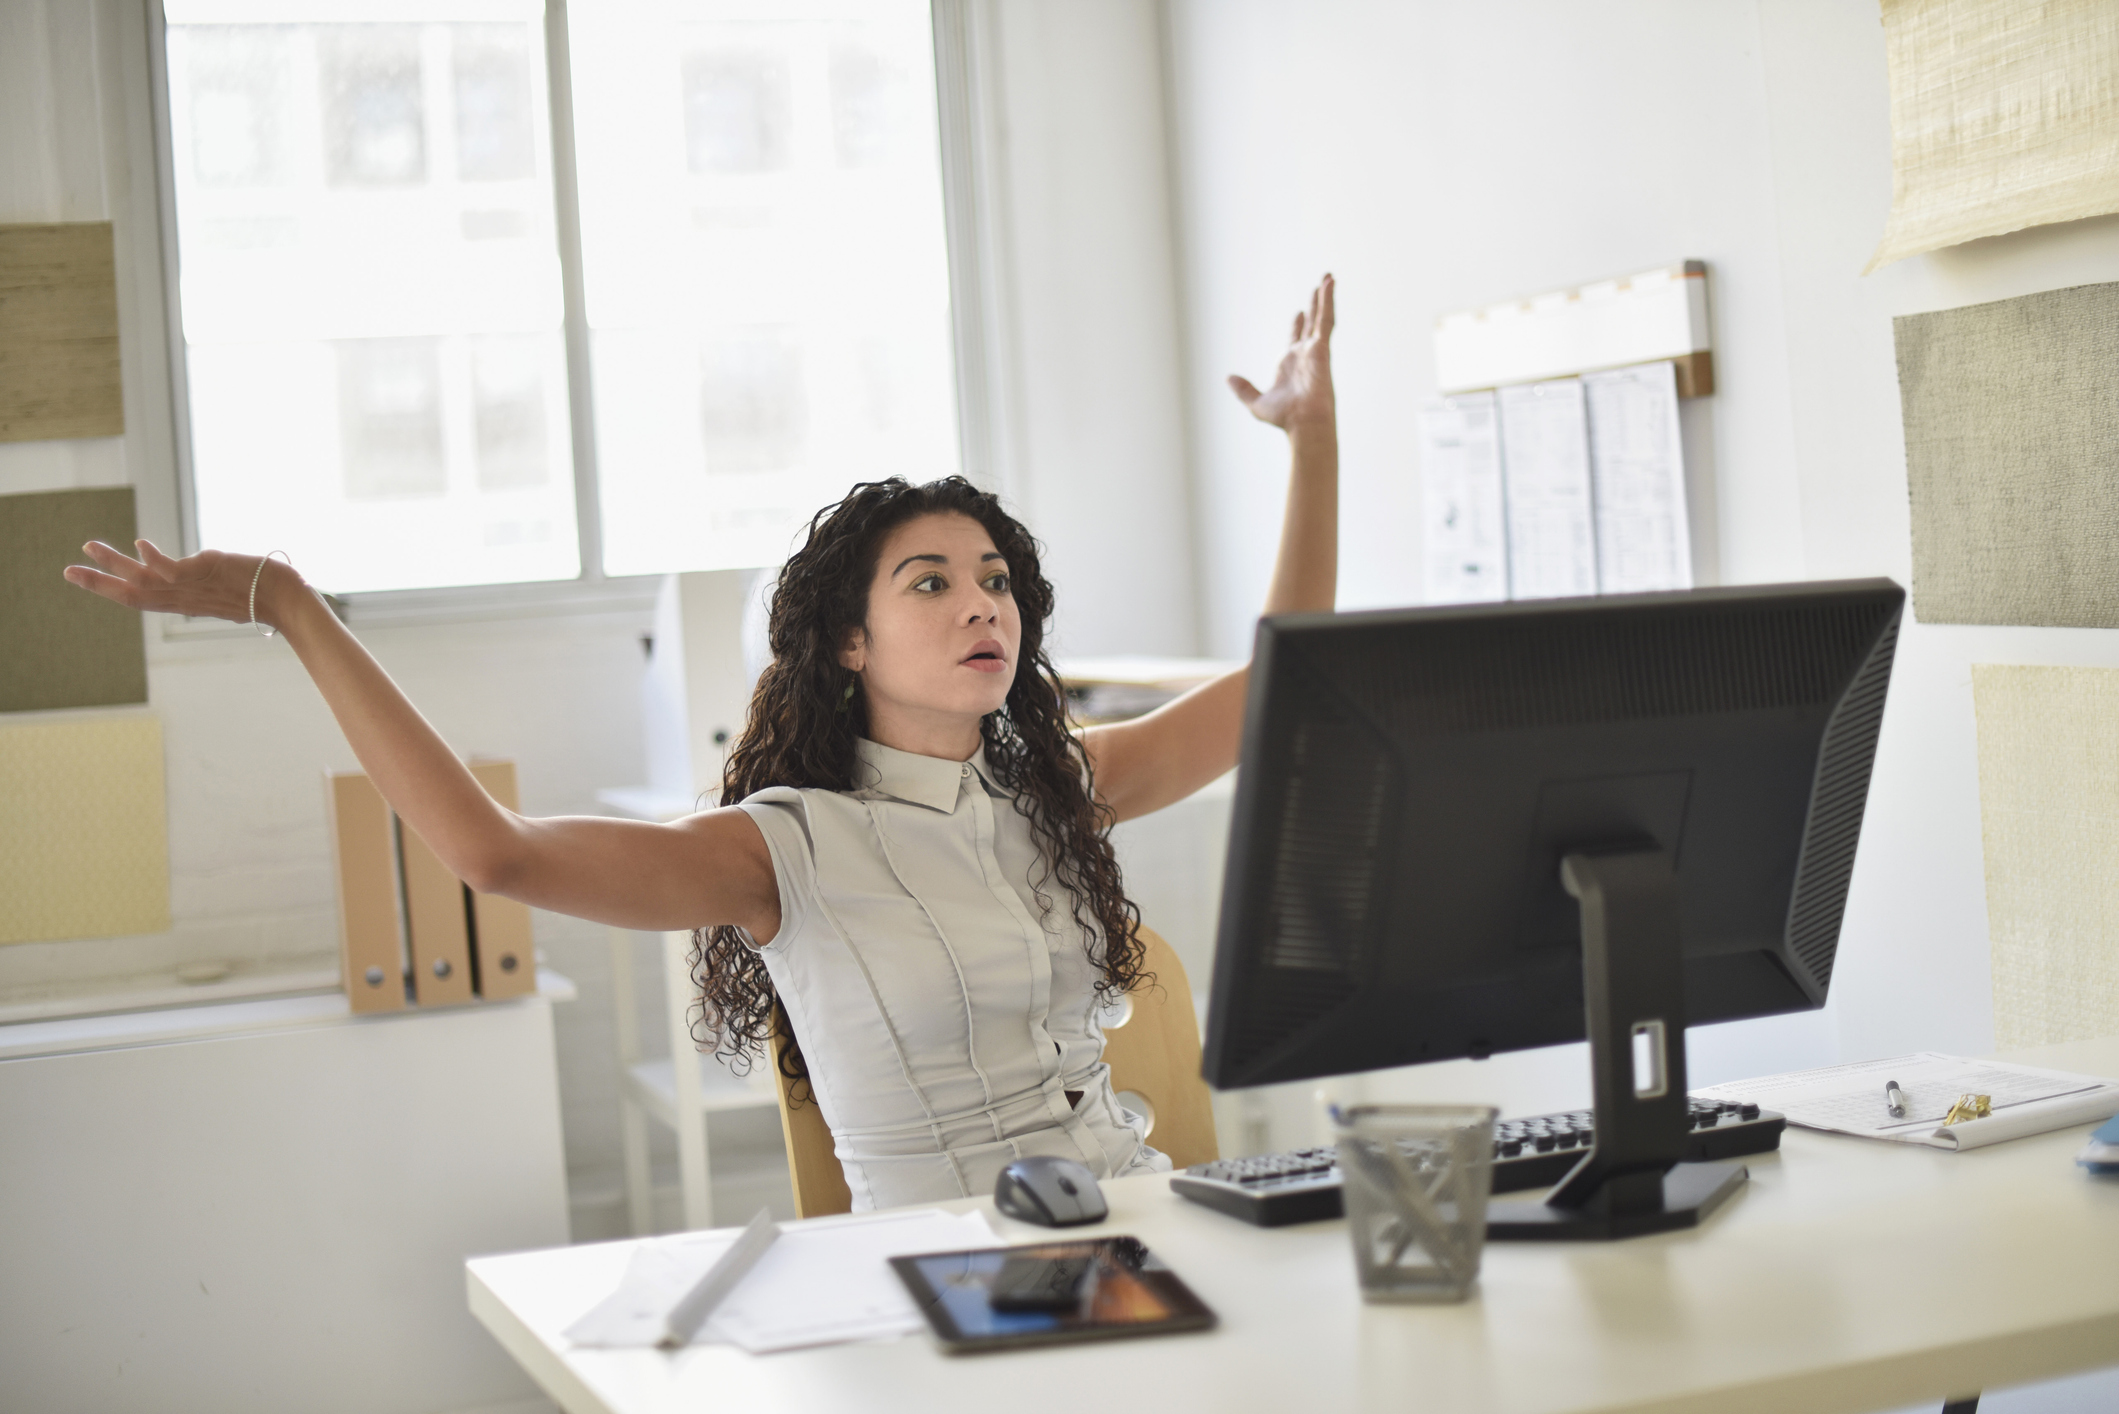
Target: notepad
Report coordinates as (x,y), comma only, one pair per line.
(820,1284)
(1849,1099)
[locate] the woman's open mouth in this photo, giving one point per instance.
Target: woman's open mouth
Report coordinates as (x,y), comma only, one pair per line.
(986,656)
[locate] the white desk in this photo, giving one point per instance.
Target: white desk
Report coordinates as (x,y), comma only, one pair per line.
(1850,1276)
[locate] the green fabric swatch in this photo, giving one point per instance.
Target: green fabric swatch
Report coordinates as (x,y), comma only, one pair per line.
(61,646)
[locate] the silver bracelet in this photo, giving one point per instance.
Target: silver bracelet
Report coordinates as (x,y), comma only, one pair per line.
(257,575)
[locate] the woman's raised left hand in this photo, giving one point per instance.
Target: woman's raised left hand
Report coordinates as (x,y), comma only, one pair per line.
(1301,394)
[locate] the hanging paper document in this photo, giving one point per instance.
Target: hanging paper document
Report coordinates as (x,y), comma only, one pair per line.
(1637,467)
(1465,535)
(1545,468)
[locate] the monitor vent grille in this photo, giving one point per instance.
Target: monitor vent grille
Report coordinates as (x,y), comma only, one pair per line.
(1606,664)
(1325,859)
(1826,867)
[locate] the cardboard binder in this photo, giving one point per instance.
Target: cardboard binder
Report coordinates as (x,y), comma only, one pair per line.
(501,945)
(371,954)
(437,921)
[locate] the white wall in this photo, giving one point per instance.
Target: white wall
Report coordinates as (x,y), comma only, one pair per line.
(1915,960)
(1436,156)
(1088,357)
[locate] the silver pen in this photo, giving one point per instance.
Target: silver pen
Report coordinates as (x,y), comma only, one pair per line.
(1895,1099)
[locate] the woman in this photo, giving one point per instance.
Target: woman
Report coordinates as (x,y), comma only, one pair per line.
(912,856)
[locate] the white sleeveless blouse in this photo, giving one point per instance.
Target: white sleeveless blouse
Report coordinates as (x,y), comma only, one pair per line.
(944,1015)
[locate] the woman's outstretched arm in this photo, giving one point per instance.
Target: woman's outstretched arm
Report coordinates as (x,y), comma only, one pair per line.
(705,869)
(1161,758)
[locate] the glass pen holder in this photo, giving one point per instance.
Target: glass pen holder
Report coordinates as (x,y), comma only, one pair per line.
(1415,1180)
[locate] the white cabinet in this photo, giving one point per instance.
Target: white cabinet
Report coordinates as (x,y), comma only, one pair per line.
(266,1205)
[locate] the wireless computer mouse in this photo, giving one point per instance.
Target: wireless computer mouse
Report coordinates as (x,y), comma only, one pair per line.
(1050,1191)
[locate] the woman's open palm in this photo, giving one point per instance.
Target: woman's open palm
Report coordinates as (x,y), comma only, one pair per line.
(210,584)
(1302,385)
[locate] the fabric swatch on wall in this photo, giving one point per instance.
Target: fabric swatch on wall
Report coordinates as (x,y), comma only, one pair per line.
(2012,436)
(2002,117)
(59,333)
(84,834)
(2049,815)
(61,646)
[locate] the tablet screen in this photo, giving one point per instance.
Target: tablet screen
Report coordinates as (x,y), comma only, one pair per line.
(973,1301)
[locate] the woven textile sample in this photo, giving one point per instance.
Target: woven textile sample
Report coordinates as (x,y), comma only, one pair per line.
(2012,457)
(61,646)
(59,333)
(2049,814)
(2002,116)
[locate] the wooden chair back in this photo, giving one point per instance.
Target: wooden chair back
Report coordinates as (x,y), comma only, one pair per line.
(812,1164)
(1153,1052)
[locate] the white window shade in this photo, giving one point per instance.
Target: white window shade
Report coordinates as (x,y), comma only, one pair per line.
(370,288)
(765,264)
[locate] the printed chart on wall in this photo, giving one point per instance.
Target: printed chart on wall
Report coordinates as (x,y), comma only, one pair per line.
(1545,468)
(1570,486)
(1644,540)
(1464,536)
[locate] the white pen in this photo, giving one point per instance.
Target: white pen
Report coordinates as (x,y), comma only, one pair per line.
(720,1279)
(1894,1099)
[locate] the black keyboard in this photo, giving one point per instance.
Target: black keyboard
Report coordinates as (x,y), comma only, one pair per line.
(1302,1185)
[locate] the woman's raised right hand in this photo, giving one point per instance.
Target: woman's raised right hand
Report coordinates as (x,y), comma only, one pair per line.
(211,584)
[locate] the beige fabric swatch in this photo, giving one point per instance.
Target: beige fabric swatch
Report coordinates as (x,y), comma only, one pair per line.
(2003,115)
(2012,434)
(2049,813)
(59,333)
(84,836)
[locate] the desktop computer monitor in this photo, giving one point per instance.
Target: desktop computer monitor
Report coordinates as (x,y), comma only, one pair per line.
(1490,827)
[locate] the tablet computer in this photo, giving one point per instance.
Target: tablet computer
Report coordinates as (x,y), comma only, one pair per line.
(1049,1293)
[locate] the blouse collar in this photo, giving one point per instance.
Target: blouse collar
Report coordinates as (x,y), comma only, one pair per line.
(932,781)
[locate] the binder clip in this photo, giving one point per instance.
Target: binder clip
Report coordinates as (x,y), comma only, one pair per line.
(1969,1107)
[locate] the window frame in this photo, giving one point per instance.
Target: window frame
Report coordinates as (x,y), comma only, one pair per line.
(966,146)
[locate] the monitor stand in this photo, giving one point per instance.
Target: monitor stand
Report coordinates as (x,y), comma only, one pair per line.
(1632,1181)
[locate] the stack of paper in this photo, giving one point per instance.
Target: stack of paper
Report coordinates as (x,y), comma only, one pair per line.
(817,1285)
(1849,1099)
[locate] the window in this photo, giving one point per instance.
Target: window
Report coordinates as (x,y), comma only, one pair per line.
(373,259)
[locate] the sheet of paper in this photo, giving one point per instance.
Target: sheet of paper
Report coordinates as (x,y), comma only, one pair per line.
(1465,532)
(818,1285)
(1849,1099)
(1637,467)
(84,830)
(1545,471)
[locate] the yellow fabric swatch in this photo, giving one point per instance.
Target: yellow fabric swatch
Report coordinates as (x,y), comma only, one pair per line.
(2002,116)
(2049,814)
(84,832)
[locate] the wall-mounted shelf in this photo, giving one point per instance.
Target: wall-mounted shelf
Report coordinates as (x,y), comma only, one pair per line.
(1641,318)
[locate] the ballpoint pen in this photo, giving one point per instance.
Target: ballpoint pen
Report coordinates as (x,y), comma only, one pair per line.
(1894,1099)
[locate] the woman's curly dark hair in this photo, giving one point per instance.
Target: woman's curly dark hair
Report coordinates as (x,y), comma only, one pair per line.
(803,727)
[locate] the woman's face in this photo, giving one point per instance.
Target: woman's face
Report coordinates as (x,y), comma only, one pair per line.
(943,634)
